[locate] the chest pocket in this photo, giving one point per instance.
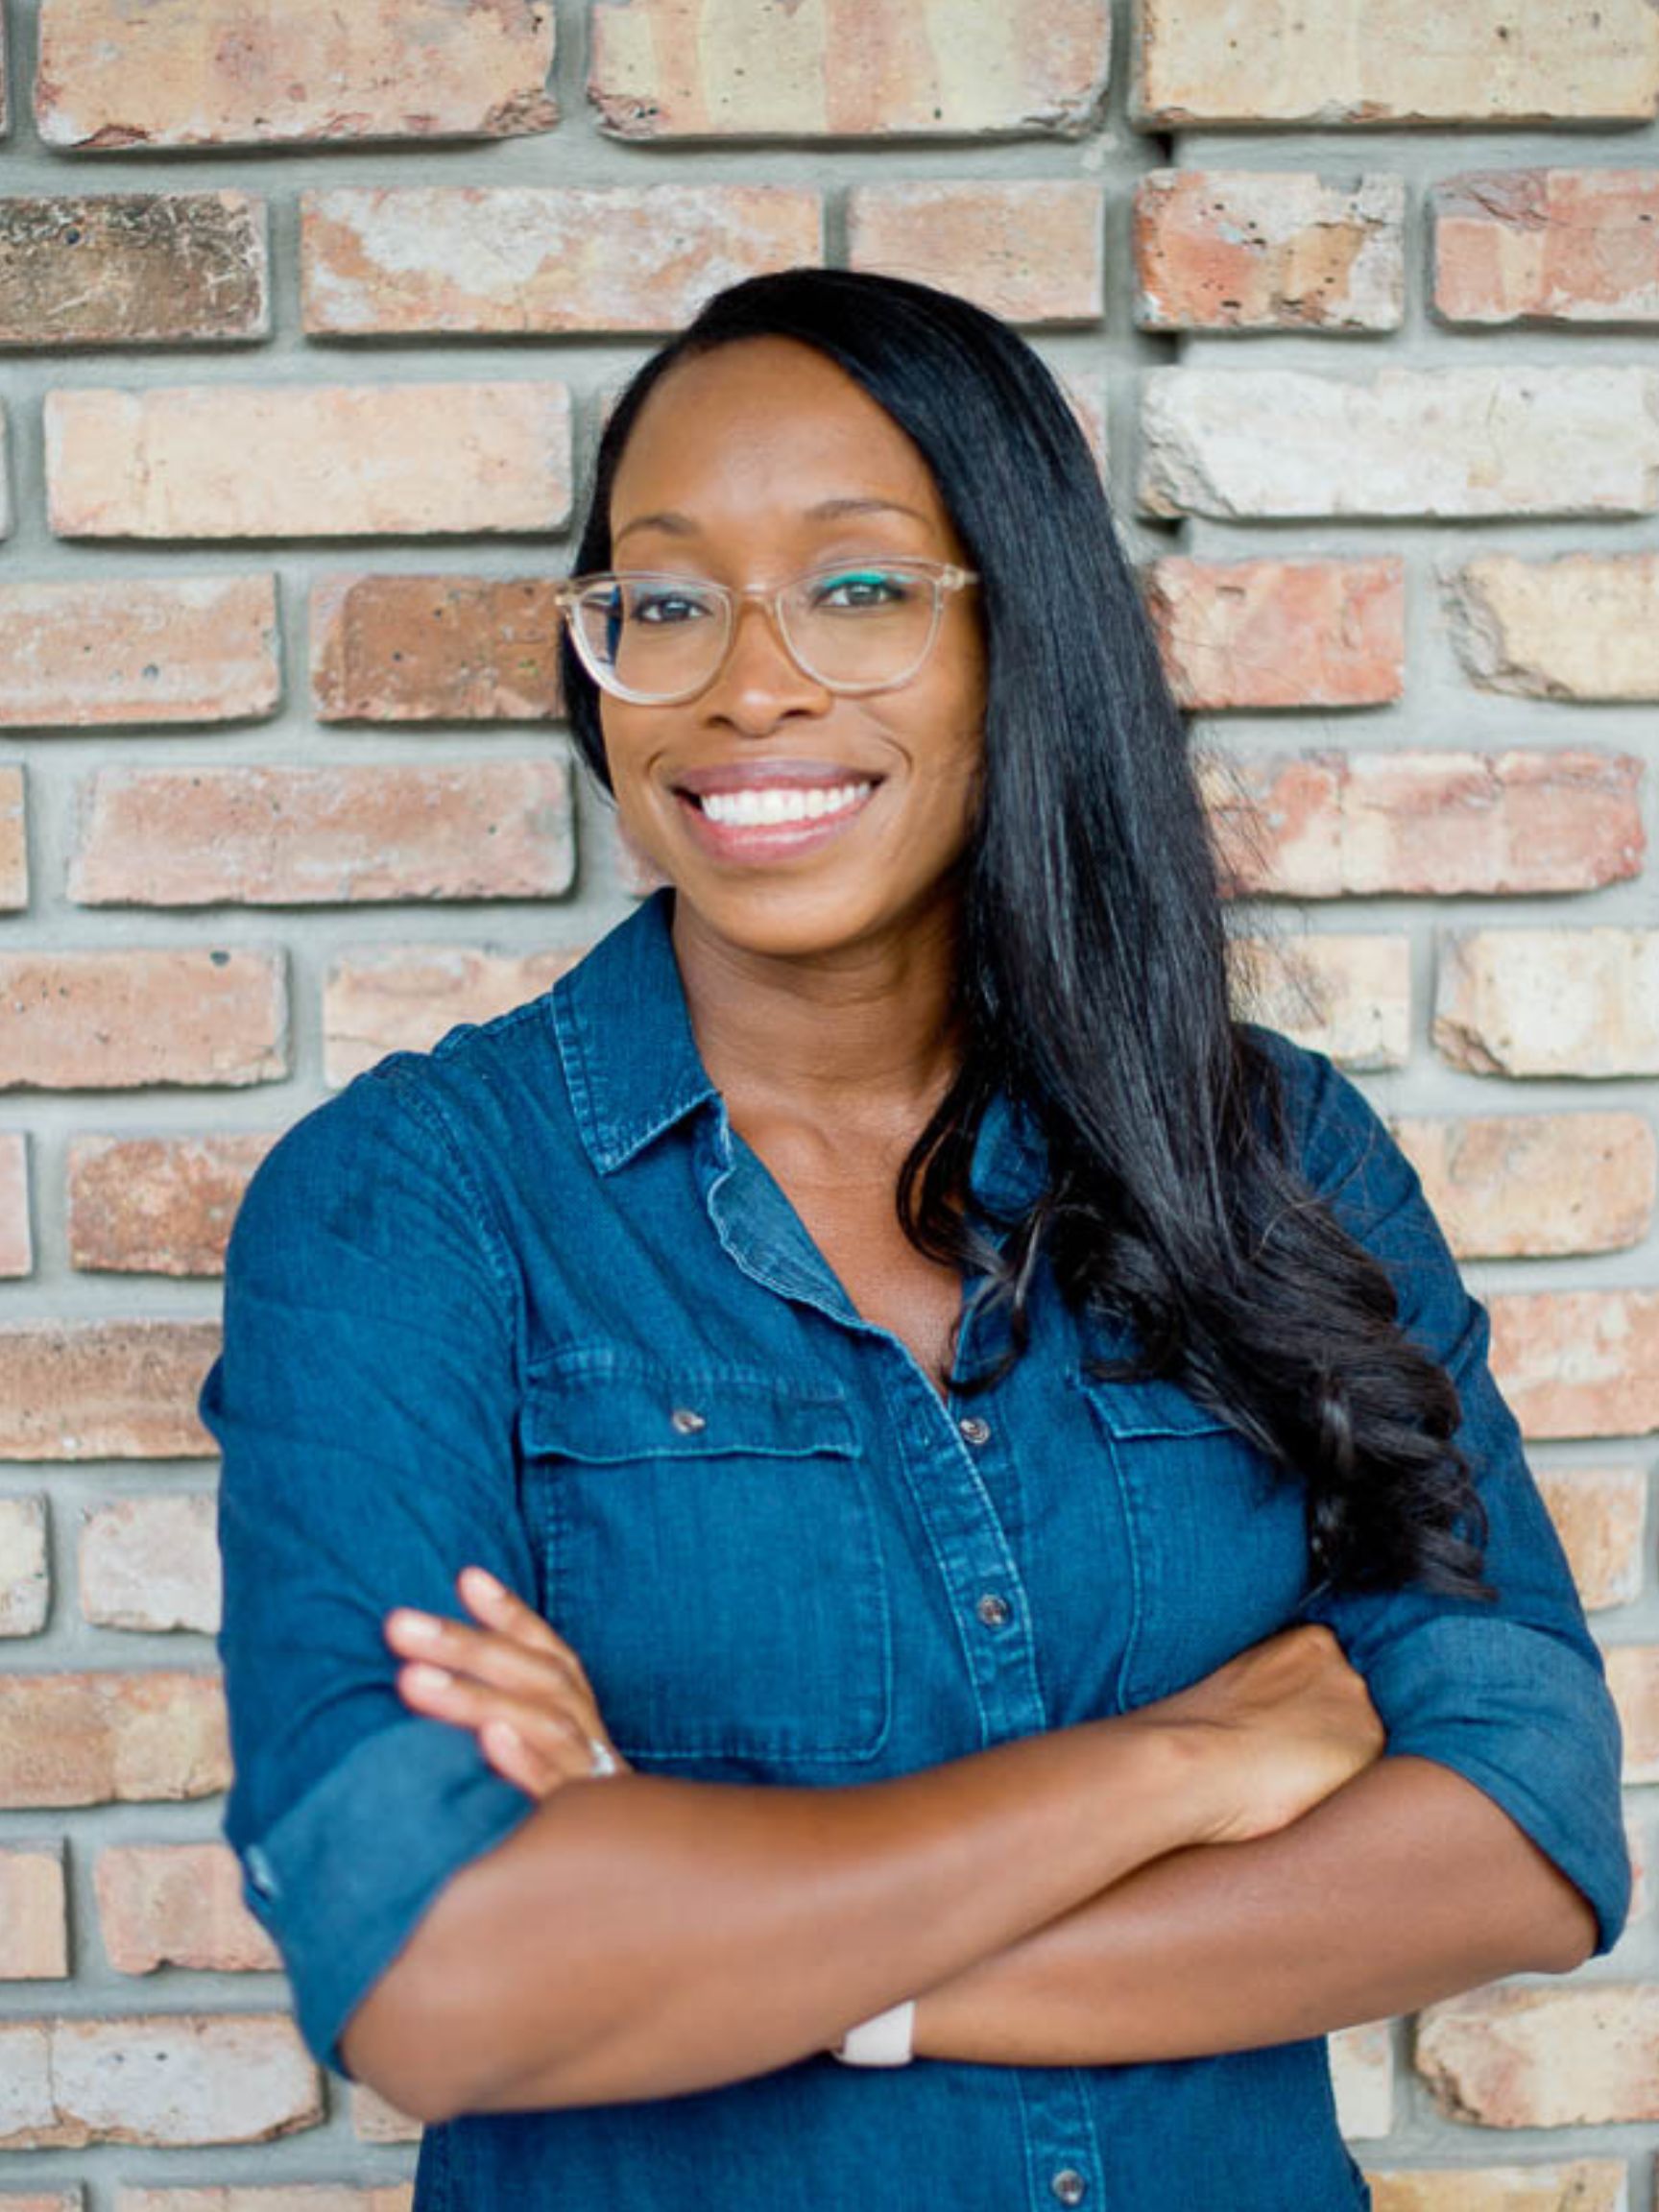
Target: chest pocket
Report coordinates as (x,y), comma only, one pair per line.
(1218,1542)
(713,1551)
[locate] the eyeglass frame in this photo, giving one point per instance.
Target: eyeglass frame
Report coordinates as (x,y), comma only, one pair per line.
(944,576)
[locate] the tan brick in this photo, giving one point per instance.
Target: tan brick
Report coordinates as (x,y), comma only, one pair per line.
(1510,1186)
(308,461)
(1579,625)
(1549,1001)
(1524,2057)
(375,2121)
(34,1917)
(1087,398)
(1600,1515)
(1451,441)
(151,1563)
(1633,1679)
(177,1905)
(114,77)
(179,649)
(1031,252)
(1547,246)
(289,2197)
(911,69)
(68,2199)
(1335,63)
(157,2078)
(1270,634)
(103,1389)
(91,1739)
(1363,2080)
(133,269)
(14,838)
(435,648)
(1578,1362)
(1349,996)
(310,836)
(1585,2185)
(129,1020)
(522,260)
(4,478)
(1263,250)
(402,998)
(158,1205)
(17,1244)
(25,1573)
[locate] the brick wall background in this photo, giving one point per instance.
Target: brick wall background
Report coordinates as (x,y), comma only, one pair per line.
(307,316)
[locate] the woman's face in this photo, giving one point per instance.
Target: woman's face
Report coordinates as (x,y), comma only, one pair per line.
(750,465)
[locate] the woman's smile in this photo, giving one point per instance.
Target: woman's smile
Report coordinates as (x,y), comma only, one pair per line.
(751,814)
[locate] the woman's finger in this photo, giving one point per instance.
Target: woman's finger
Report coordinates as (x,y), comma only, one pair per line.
(492,1602)
(563,1741)
(489,1655)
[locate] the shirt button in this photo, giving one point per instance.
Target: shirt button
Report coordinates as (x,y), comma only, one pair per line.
(685,1421)
(1069,2186)
(992,1611)
(973,1430)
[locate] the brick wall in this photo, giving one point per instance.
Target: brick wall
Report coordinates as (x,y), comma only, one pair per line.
(306,319)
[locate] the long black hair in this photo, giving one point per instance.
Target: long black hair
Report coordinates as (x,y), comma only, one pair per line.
(1093,981)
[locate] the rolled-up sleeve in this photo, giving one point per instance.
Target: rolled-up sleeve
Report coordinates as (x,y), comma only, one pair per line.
(364,1406)
(1509,1692)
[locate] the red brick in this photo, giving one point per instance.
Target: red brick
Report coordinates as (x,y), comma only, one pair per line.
(375,2121)
(1585,2185)
(128,1019)
(13,840)
(25,1571)
(1330,825)
(402,998)
(133,269)
(1335,63)
(308,461)
(311,836)
(157,2078)
(1269,634)
(1578,1362)
(1508,1185)
(177,1905)
(524,259)
(1548,245)
(1587,2054)
(1580,1002)
(16,1245)
(1462,443)
(435,649)
(34,1916)
(113,77)
(1577,626)
(910,68)
(1031,252)
(151,1563)
(158,1205)
(1261,250)
(103,1389)
(1600,1515)
(1349,996)
(180,649)
(1633,1678)
(91,1739)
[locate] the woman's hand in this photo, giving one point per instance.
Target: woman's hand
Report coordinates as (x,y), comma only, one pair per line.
(1278,1728)
(516,1685)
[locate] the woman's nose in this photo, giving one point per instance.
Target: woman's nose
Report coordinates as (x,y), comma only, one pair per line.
(760,679)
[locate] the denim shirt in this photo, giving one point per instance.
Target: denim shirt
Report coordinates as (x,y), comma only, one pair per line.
(529,1300)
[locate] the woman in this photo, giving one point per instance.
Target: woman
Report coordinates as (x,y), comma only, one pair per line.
(983,1455)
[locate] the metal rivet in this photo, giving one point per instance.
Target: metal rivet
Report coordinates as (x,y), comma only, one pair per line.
(686,1420)
(973,1430)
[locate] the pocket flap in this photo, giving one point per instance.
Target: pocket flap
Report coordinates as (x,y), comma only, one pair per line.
(616,1412)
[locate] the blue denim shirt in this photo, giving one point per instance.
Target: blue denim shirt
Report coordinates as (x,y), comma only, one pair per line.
(464,1301)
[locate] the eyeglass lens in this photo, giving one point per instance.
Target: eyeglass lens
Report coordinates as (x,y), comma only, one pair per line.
(666,638)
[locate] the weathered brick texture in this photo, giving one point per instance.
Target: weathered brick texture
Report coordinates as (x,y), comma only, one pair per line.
(13,840)
(1269,634)
(1548,245)
(1633,1678)
(155,2078)
(1571,626)
(1580,2185)
(34,1917)
(403,1000)
(158,1204)
(115,78)
(375,2121)
(434,648)
(133,269)
(1548,2058)
(1031,252)
(1258,250)
(177,1905)
(90,1739)
(167,650)
(16,1237)
(418,261)
(1347,995)
(151,1563)
(125,1020)
(1578,1362)
(1510,1186)
(1363,2080)
(103,1389)
(310,836)
(25,1573)
(1600,1515)
(1574,1002)
(289,2197)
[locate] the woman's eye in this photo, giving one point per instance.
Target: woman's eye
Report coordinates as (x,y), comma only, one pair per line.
(663,607)
(865,588)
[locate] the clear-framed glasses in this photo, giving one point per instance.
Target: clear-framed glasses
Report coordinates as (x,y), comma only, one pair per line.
(851,626)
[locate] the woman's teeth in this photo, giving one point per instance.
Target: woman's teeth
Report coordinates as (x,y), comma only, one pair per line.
(777,803)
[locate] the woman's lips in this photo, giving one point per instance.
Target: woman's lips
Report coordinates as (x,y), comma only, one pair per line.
(773,819)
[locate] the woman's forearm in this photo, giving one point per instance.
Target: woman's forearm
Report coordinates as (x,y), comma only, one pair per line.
(1404,1886)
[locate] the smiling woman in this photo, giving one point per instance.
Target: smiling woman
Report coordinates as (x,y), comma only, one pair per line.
(988,1457)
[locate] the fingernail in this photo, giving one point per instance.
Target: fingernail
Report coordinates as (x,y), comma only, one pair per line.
(420,1627)
(483,1581)
(420,1676)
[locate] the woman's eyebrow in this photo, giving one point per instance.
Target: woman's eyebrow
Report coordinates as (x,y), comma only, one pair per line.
(678,525)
